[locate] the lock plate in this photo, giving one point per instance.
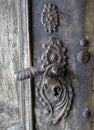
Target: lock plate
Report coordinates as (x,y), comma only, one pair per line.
(55,93)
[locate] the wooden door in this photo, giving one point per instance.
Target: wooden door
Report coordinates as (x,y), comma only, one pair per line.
(15,101)
(46,34)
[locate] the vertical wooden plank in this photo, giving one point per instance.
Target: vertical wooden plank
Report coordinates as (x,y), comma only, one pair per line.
(89,30)
(15,97)
(8,51)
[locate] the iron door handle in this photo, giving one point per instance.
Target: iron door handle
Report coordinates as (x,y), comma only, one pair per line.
(32,72)
(27,73)
(54,90)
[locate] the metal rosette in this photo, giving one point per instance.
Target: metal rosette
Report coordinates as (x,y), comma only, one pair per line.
(49,18)
(54,53)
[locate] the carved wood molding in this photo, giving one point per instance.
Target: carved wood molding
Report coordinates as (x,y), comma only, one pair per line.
(15,98)
(24,61)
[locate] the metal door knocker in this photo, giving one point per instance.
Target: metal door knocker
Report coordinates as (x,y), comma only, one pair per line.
(54,89)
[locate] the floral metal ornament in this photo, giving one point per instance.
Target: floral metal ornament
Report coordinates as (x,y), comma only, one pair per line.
(54,53)
(54,90)
(49,18)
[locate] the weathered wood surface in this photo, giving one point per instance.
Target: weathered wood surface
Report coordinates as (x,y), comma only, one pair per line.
(15,101)
(89,30)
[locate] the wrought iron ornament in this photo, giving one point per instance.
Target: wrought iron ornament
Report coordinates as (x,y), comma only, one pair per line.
(54,93)
(54,52)
(54,90)
(49,18)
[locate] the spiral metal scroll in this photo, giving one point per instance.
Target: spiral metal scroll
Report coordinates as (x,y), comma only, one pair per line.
(56,106)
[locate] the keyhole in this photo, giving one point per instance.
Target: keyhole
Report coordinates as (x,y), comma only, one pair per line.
(56,91)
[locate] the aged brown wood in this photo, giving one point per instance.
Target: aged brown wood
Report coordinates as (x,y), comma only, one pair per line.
(15,97)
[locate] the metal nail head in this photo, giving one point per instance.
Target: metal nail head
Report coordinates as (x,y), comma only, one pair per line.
(83,56)
(84,42)
(86,113)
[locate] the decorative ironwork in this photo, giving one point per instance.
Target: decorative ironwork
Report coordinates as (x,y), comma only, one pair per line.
(55,94)
(54,53)
(49,18)
(54,91)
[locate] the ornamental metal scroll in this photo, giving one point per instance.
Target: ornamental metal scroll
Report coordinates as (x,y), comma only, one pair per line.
(56,94)
(54,89)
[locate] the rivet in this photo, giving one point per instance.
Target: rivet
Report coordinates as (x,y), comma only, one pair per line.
(83,56)
(43,103)
(37,94)
(86,113)
(2,110)
(64,49)
(43,57)
(44,46)
(55,69)
(84,42)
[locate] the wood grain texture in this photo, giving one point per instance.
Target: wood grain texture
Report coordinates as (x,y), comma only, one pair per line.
(89,30)
(15,101)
